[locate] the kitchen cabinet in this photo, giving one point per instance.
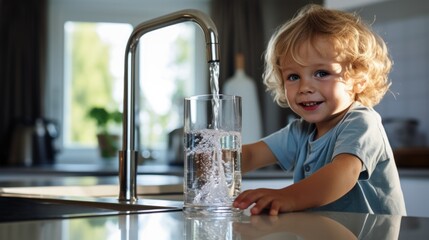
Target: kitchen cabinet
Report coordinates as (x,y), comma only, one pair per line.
(416,192)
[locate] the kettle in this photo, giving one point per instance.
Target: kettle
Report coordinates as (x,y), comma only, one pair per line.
(33,144)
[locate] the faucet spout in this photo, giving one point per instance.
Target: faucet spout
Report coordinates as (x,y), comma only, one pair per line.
(128,156)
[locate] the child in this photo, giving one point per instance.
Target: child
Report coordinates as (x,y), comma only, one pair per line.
(330,69)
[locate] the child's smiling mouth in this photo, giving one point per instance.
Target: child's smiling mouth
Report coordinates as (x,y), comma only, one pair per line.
(310,105)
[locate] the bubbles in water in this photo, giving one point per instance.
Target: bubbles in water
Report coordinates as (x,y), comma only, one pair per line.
(214,156)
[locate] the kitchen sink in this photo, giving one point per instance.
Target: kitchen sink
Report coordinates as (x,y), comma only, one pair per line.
(44,202)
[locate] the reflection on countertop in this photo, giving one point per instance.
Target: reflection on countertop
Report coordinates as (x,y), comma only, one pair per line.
(176,225)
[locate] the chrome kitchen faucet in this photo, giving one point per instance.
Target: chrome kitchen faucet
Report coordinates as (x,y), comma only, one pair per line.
(128,156)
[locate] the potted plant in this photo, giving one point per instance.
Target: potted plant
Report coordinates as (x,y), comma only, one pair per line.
(108,142)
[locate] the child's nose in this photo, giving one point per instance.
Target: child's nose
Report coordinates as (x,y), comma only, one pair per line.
(306,86)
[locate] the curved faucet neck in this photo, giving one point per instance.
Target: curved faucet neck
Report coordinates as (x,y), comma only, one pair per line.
(128,156)
(201,19)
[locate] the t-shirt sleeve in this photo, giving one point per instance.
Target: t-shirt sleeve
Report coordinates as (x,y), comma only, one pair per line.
(362,135)
(283,144)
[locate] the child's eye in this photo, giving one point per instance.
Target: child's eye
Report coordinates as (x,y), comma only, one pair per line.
(321,74)
(292,77)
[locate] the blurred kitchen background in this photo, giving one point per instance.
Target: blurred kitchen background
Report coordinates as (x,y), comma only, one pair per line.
(60,58)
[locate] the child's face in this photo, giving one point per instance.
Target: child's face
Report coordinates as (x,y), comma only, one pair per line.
(315,88)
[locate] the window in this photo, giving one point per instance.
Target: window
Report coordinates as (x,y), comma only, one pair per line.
(166,77)
(93,62)
(86,51)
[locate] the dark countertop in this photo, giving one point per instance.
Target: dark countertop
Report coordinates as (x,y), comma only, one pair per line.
(175,225)
(101,169)
(111,169)
(416,157)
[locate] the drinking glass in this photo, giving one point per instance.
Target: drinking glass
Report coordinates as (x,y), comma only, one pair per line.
(212,140)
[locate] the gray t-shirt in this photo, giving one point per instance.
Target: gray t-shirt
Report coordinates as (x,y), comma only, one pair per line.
(359,133)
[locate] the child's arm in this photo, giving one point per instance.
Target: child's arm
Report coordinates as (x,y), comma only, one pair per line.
(256,155)
(324,186)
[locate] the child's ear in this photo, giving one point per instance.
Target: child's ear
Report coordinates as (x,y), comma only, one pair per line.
(359,86)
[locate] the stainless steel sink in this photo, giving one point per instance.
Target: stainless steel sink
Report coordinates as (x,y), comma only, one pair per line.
(69,201)
(105,195)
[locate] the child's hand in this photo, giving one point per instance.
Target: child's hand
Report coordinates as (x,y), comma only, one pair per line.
(273,200)
(326,185)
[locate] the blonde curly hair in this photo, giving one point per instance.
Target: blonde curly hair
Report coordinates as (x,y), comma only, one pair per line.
(362,51)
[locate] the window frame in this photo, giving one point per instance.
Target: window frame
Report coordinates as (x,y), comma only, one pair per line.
(125,11)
